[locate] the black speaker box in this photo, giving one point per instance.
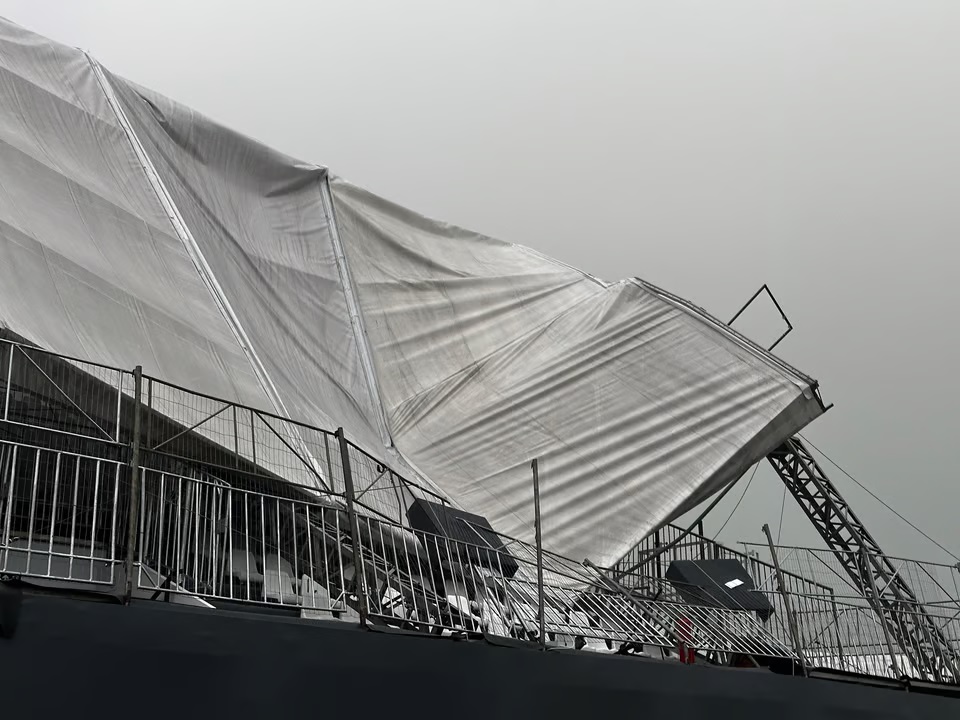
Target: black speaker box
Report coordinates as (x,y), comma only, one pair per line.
(475,537)
(719,584)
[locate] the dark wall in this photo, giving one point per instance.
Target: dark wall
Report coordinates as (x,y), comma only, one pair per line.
(82,659)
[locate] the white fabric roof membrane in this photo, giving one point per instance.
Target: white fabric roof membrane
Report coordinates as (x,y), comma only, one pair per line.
(135,231)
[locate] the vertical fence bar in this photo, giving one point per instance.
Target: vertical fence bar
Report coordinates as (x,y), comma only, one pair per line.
(538,528)
(133,521)
(263,546)
(877,605)
(6,399)
(246,543)
(11,478)
(253,438)
(358,574)
(836,623)
(53,513)
(116,434)
(236,439)
(98,465)
(178,535)
(326,445)
(791,618)
(6,475)
(113,521)
(73,513)
(149,428)
(659,562)
(33,507)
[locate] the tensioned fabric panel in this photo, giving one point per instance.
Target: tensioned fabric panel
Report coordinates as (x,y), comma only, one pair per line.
(259,220)
(89,265)
(135,231)
(489,355)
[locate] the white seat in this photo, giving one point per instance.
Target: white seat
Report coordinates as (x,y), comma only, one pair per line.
(244,566)
(582,622)
(278,581)
(315,597)
(495,617)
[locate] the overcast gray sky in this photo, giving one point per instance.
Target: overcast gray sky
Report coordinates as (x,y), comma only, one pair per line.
(708,147)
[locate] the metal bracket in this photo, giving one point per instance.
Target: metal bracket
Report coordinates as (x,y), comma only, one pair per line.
(783,315)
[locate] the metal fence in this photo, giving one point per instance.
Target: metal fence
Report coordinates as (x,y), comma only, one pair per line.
(419,580)
(64,426)
(836,626)
(219,503)
(846,634)
(65,396)
(232,440)
(652,557)
(60,514)
(934,584)
(202,537)
(863,643)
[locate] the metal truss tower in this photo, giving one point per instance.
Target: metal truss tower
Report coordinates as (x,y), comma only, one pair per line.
(904,620)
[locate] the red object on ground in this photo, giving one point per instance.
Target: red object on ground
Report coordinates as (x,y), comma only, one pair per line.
(685,637)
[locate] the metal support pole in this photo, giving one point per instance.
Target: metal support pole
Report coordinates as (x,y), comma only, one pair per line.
(791,618)
(358,574)
(133,519)
(658,569)
(535,466)
(865,569)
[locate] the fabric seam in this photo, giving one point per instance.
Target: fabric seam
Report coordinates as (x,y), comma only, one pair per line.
(189,243)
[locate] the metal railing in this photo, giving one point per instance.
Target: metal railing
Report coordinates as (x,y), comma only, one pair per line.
(74,399)
(423,581)
(846,634)
(228,504)
(863,643)
(653,555)
(227,438)
(681,544)
(935,584)
(202,537)
(60,514)
(837,627)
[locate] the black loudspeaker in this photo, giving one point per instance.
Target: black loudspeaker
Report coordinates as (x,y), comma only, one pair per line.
(473,534)
(719,584)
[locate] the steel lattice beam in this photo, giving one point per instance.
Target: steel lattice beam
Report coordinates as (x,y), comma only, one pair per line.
(892,599)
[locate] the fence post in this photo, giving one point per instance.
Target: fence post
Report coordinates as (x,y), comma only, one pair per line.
(791,618)
(877,606)
(656,547)
(535,466)
(358,574)
(133,516)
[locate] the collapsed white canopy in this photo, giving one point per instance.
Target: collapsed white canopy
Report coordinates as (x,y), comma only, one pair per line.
(135,231)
